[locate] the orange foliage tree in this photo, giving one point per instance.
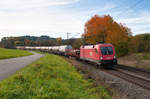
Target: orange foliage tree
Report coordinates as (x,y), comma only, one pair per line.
(27,42)
(104,28)
(59,40)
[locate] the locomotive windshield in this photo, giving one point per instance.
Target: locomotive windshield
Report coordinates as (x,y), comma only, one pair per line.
(107,50)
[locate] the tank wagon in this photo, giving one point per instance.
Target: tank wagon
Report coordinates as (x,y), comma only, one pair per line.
(65,50)
(103,55)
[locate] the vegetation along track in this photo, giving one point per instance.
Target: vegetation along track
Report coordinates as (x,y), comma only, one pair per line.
(136,76)
(136,71)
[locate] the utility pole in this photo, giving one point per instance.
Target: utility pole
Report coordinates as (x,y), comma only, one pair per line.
(68,38)
(68,35)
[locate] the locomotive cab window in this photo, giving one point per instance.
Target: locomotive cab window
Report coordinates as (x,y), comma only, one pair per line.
(107,50)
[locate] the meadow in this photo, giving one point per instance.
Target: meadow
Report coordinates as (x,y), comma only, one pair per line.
(50,77)
(12,53)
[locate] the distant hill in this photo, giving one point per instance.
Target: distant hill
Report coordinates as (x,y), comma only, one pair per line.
(11,42)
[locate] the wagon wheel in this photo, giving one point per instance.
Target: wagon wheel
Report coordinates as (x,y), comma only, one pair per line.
(101,66)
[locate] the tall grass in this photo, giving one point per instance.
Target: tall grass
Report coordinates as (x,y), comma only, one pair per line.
(51,77)
(11,53)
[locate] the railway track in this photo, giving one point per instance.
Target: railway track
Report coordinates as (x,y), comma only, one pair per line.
(132,69)
(136,71)
(136,79)
(139,77)
(124,83)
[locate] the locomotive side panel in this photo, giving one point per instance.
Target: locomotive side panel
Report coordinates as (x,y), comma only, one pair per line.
(89,53)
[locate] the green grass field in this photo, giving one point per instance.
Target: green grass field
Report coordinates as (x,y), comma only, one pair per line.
(51,77)
(11,53)
(145,56)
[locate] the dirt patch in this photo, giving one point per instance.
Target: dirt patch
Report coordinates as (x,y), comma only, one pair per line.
(139,60)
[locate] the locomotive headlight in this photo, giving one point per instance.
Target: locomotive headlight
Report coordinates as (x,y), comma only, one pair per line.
(101,58)
(114,57)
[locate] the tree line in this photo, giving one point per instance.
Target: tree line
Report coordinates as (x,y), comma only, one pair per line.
(12,42)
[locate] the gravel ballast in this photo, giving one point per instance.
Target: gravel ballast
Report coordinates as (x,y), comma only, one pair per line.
(121,88)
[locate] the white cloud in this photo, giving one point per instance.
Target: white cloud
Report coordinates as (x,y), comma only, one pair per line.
(41,21)
(134,20)
(138,24)
(17,4)
(38,23)
(106,7)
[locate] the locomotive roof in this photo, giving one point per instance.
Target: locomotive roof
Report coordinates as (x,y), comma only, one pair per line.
(91,46)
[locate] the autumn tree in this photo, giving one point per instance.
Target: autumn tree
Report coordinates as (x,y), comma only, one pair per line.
(18,43)
(140,43)
(104,28)
(7,42)
(59,40)
(27,42)
(77,43)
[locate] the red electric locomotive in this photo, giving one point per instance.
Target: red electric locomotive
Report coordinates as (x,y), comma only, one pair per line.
(101,54)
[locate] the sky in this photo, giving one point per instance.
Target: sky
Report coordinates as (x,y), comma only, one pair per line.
(57,17)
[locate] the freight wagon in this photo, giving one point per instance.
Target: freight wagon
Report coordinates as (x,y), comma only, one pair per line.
(65,50)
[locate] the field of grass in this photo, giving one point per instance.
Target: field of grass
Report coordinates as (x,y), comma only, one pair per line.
(144,56)
(51,77)
(138,60)
(11,53)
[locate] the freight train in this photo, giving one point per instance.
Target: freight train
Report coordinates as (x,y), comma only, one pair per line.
(103,54)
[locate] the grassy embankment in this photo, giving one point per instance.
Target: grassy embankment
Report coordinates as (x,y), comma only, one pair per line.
(51,77)
(11,53)
(139,60)
(144,56)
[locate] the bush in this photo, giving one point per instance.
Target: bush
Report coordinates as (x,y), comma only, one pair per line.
(122,49)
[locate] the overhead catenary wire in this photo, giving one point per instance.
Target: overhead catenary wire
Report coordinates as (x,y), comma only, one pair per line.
(75,35)
(131,7)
